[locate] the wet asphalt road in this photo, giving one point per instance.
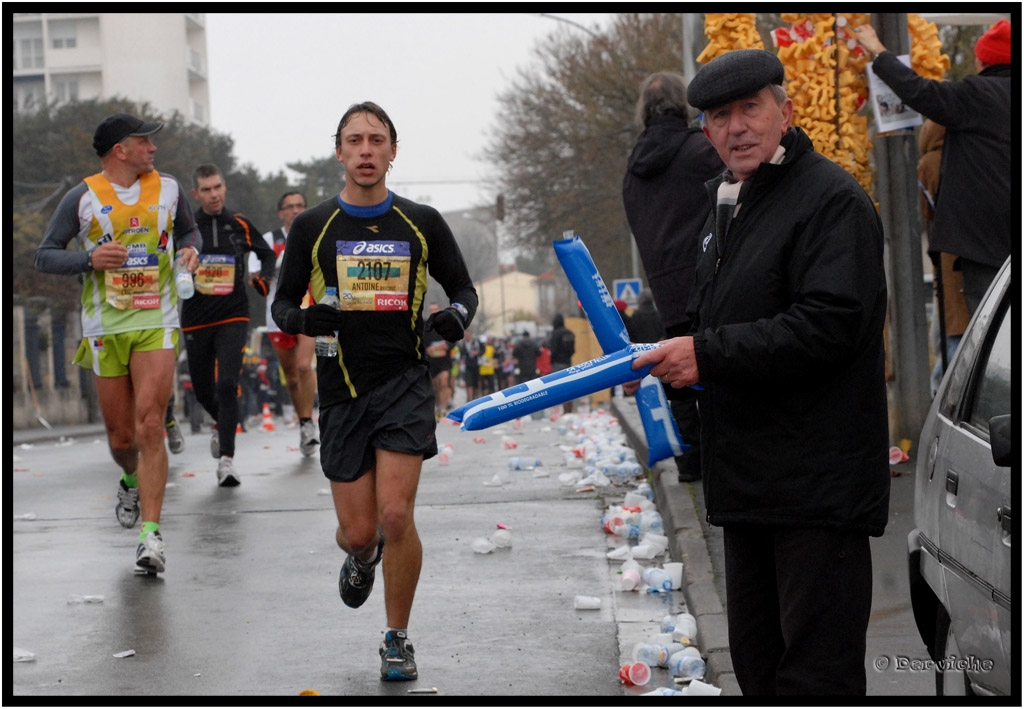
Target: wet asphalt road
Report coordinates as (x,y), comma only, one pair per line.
(248,605)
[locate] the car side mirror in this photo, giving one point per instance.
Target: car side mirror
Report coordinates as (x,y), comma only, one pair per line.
(1000,435)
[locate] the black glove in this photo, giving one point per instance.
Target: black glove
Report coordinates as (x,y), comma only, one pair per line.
(315,320)
(447,323)
(259,284)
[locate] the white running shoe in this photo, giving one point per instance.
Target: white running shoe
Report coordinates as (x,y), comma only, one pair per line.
(215,443)
(151,555)
(308,438)
(226,475)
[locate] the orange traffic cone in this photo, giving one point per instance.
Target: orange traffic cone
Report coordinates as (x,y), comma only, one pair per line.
(268,420)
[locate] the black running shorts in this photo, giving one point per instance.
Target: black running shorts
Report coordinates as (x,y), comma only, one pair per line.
(396,416)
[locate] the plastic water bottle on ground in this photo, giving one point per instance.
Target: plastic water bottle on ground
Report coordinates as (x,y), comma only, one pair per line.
(658,579)
(327,345)
(686,667)
(651,653)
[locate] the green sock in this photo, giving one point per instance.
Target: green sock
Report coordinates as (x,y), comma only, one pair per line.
(148,527)
(130,480)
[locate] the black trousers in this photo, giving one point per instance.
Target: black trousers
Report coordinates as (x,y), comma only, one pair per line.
(215,363)
(798,607)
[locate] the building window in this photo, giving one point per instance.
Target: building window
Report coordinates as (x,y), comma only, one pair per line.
(63,35)
(66,90)
(198,112)
(29,53)
(28,96)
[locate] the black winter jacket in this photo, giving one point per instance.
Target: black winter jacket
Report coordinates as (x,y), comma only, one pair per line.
(975,216)
(788,319)
(227,234)
(663,193)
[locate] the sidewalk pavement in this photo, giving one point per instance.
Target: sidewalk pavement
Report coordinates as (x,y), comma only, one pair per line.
(678,504)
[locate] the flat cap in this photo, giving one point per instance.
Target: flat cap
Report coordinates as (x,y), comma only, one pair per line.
(733,75)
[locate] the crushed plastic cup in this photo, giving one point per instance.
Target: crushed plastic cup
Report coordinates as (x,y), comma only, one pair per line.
(482,545)
(896,456)
(620,553)
(686,626)
(664,692)
(674,569)
(696,688)
(23,655)
(645,551)
(635,673)
(495,481)
(630,580)
(501,538)
(656,540)
(610,523)
(586,603)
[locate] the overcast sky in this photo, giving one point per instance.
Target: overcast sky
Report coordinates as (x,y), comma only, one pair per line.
(279,83)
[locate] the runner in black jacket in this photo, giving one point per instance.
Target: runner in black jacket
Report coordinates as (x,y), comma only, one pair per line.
(376,397)
(215,320)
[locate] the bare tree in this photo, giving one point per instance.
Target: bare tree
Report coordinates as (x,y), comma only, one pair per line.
(566,131)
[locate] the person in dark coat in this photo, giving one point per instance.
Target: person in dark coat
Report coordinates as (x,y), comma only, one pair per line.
(975,217)
(663,193)
(788,314)
(645,323)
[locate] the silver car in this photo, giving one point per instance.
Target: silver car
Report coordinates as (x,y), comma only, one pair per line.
(961,555)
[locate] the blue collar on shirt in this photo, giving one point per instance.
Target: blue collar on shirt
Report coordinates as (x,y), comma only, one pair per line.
(374,210)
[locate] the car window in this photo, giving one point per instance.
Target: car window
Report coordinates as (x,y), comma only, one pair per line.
(992,393)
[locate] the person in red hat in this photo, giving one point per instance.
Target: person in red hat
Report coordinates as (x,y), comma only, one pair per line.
(973,219)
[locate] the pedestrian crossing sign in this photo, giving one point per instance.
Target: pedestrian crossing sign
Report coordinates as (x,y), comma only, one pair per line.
(627,289)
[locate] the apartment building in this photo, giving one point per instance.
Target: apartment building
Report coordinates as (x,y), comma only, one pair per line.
(158,58)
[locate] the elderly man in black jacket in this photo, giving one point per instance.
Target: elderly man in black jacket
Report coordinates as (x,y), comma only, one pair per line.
(788,312)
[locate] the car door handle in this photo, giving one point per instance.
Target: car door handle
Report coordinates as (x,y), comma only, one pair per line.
(952,482)
(1005,517)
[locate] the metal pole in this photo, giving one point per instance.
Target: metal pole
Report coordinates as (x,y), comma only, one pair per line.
(896,192)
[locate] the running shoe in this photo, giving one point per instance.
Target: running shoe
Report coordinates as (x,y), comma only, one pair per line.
(175,438)
(226,475)
(357,576)
(397,657)
(150,555)
(127,507)
(308,440)
(215,443)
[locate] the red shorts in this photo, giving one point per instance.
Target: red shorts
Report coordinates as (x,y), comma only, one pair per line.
(282,340)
